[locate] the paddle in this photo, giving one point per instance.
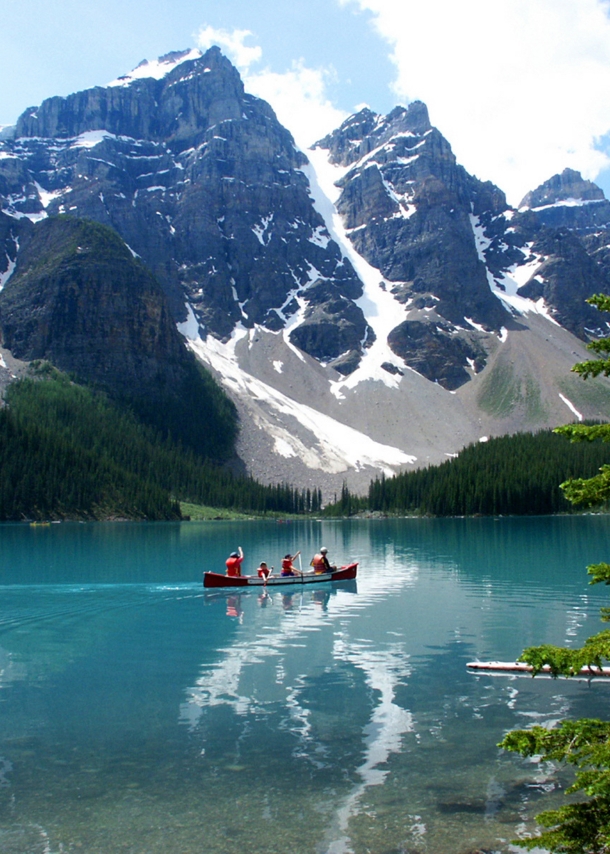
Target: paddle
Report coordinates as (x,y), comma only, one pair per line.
(300,571)
(297,554)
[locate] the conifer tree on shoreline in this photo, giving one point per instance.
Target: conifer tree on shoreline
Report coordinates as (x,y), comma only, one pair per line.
(582,827)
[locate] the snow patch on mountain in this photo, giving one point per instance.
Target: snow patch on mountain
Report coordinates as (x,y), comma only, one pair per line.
(190,327)
(381,309)
(157,68)
(571,407)
(4,277)
(91,138)
(564,203)
(46,197)
(331,446)
(405,208)
(506,286)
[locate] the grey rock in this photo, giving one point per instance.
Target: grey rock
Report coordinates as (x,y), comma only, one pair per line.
(569,201)
(200,180)
(568,185)
(79,300)
(333,328)
(408,206)
(565,280)
(437,352)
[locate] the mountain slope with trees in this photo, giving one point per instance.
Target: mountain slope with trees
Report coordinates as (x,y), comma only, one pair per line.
(69,452)
(79,299)
(508,475)
(371,279)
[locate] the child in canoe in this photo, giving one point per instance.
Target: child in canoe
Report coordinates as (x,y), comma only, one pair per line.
(288,567)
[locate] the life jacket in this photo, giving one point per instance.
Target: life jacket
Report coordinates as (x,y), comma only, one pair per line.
(234,566)
(287,568)
(318,563)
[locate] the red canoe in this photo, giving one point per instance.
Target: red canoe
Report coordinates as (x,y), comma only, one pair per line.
(216,579)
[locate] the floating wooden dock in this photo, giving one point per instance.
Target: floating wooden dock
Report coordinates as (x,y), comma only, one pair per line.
(520,668)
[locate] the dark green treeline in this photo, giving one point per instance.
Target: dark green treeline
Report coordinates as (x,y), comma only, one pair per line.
(68,452)
(512,475)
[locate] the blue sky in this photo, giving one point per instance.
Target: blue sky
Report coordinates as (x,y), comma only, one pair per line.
(54,47)
(520,88)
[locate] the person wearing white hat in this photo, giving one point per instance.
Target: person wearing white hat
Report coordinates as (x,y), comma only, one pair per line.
(320,561)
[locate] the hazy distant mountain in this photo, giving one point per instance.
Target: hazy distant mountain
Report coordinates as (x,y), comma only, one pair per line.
(368,304)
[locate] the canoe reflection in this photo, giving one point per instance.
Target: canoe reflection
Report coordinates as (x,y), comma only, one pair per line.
(288,601)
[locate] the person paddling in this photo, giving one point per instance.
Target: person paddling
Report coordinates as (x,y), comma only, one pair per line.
(263,571)
(287,566)
(234,562)
(320,562)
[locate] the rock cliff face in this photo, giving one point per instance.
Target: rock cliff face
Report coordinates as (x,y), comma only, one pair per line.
(565,224)
(369,305)
(79,299)
(562,194)
(407,207)
(204,184)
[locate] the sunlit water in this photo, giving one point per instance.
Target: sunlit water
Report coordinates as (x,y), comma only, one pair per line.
(138,714)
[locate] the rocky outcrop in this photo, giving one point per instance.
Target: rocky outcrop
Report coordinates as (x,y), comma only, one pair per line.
(201,181)
(565,279)
(333,328)
(436,353)
(569,201)
(408,208)
(79,299)
(567,186)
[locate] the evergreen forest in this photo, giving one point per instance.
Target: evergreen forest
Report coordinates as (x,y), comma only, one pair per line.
(508,475)
(67,452)
(70,452)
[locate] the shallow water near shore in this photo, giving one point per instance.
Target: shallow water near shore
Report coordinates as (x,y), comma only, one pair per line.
(140,714)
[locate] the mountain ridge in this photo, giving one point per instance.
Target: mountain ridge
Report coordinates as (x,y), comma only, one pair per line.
(370,284)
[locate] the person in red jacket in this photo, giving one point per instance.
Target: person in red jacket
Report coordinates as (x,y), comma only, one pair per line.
(287,566)
(264,571)
(320,562)
(234,562)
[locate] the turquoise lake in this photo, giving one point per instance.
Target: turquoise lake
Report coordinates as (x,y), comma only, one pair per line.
(140,714)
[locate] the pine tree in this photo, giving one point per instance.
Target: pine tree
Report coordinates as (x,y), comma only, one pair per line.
(581,827)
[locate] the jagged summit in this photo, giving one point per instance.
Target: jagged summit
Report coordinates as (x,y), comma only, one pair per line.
(364,131)
(407,207)
(158,68)
(569,201)
(175,101)
(569,186)
(368,304)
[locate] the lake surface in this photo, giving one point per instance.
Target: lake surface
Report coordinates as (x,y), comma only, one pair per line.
(139,714)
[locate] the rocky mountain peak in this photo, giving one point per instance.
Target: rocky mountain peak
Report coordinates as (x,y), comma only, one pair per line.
(365,131)
(569,201)
(569,185)
(175,99)
(206,186)
(408,208)
(400,274)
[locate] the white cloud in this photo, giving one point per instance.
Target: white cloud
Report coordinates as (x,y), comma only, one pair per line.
(299,100)
(520,88)
(298,95)
(232,43)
